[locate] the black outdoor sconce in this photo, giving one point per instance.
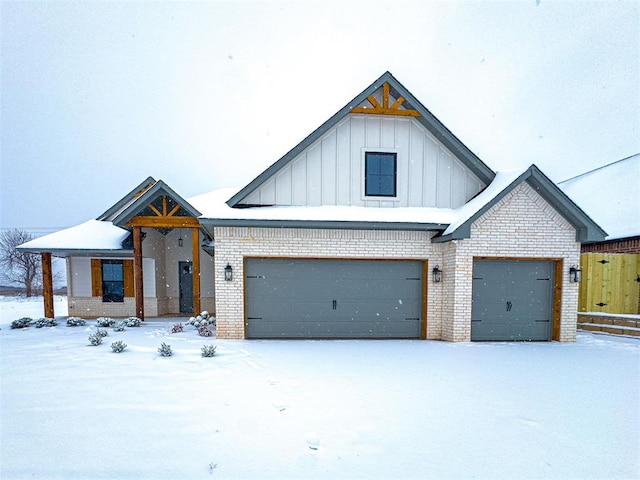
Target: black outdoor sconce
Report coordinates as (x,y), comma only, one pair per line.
(180,242)
(437,274)
(228,273)
(575,274)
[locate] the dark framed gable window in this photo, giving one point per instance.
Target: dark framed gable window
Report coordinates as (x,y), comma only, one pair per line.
(112,281)
(380,172)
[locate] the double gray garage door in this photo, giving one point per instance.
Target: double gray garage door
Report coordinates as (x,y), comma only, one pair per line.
(333,298)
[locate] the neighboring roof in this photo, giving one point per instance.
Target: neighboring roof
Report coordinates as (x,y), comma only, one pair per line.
(93,237)
(426,118)
(609,194)
(586,229)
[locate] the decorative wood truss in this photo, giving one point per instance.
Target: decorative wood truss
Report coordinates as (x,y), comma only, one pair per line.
(163,212)
(385,108)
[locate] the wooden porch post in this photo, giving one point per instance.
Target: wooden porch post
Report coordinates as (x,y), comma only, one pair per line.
(137,272)
(47,285)
(195,247)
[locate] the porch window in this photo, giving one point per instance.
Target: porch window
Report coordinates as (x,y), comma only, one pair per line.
(380,169)
(112,281)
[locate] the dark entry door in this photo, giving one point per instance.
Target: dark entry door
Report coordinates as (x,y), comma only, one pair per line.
(333,299)
(512,300)
(185,281)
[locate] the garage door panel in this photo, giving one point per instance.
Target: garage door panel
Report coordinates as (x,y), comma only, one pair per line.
(512,300)
(333,299)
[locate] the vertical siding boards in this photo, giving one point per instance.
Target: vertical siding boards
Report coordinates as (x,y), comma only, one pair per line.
(330,171)
(609,283)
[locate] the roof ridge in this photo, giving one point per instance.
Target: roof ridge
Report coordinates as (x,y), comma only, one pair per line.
(600,168)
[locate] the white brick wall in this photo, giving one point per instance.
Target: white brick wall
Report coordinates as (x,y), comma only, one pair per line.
(522,224)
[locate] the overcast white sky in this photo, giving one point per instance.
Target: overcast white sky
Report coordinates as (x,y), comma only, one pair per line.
(96,96)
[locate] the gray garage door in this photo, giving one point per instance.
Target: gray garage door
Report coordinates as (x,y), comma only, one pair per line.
(512,300)
(332,299)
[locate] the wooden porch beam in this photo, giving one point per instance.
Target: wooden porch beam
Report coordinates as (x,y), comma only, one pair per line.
(164,222)
(47,285)
(138,285)
(195,247)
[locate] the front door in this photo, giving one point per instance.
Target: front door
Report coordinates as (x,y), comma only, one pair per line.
(185,278)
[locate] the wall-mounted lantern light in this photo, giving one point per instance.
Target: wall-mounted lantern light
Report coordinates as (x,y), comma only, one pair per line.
(228,273)
(437,274)
(575,274)
(180,242)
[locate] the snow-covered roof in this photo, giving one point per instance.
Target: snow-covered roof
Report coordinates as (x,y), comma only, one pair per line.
(90,236)
(609,195)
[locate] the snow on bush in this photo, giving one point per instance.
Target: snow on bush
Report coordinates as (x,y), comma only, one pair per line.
(75,322)
(208,350)
(177,328)
(46,322)
(120,327)
(118,346)
(105,322)
(204,331)
(102,333)
(165,350)
(133,322)
(201,320)
(95,339)
(23,322)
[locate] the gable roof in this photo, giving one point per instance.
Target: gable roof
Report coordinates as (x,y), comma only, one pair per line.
(140,202)
(426,118)
(586,229)
(609,194)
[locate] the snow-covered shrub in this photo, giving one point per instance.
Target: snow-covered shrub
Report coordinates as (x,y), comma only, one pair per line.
(119,327)
(133,322)
(105,322)
(75,322)
(204,331)
(202,320)
(118,346)
(165,350)
(46,322)
(95,339)
(102,333)
(177,328)
(23,322)
(208,350)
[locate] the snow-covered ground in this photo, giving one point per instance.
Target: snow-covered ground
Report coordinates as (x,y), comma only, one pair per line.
(312,409)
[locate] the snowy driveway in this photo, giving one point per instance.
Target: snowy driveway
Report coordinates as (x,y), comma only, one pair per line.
(315,409)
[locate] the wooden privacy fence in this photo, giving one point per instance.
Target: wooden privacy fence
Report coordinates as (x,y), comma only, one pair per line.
(610,283)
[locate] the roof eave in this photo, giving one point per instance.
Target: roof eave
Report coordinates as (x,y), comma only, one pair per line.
(321,224)
(78,252)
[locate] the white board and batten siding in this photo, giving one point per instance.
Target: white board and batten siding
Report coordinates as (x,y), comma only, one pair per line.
(331,170)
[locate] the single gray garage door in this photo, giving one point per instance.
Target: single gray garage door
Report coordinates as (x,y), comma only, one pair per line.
(512,300)
(332,298)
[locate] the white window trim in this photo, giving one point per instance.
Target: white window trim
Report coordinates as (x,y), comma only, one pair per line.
(363,153)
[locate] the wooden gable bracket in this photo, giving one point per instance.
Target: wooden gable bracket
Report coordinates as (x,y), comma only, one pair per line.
(385,109)
(164,218)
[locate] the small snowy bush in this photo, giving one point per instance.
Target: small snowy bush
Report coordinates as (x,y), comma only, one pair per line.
(204,331)
(23,322)
(133,322)
(208,350)
(165,350)
(120,327)
(75,322)
(105,322)
(102,333)
(177,328)
(202,320)
(46,322)
(95,339)
(118,346)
